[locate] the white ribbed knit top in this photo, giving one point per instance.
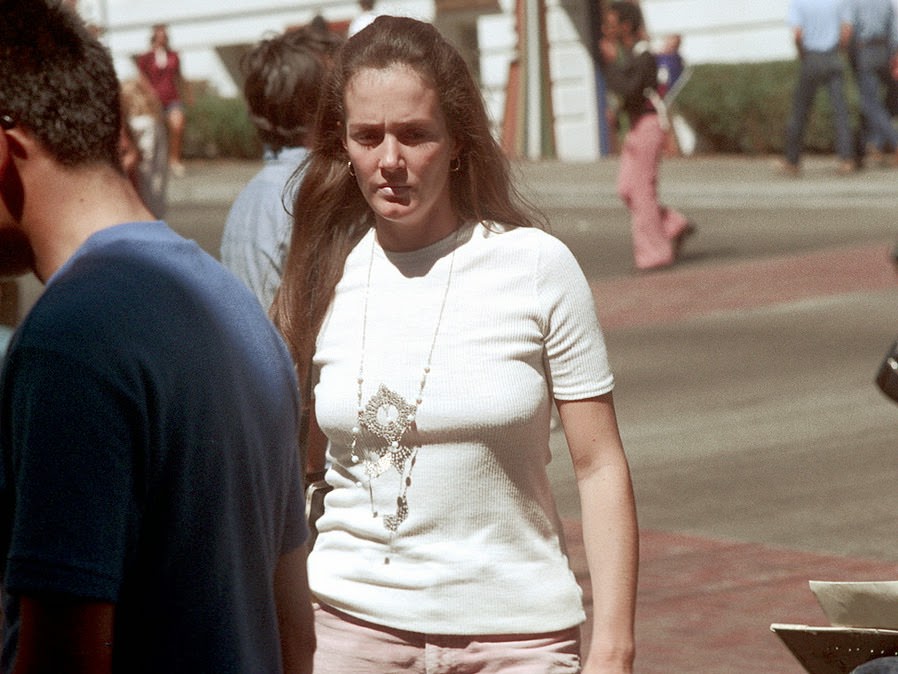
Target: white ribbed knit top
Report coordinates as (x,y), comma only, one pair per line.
(480,552)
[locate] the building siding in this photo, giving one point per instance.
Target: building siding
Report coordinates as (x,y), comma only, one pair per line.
(712,31)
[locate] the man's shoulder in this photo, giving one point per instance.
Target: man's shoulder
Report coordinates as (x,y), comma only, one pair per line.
(139,264)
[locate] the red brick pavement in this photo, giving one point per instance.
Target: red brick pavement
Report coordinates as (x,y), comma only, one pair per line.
(689,291)
(706,605)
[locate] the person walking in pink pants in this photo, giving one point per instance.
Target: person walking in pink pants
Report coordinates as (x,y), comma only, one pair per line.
(631,71)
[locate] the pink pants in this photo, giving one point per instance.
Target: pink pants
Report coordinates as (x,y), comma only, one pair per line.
(347,645)
(654,227)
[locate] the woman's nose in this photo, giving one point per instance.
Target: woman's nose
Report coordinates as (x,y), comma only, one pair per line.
(391,157)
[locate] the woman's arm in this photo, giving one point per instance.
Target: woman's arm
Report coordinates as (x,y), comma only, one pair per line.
(64,634)
(610,531)
(296,619)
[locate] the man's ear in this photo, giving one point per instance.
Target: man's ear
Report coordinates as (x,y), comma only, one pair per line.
(4,153)
(13,143)
(16,254)
(12,192)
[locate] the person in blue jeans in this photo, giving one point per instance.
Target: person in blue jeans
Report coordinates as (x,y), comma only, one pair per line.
(874,43)
(821,28)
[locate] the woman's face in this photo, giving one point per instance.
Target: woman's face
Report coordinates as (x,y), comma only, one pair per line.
(160,37)
(401,150)
(611,26)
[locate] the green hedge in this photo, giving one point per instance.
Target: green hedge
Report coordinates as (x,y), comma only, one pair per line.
(219,127)
(745,107)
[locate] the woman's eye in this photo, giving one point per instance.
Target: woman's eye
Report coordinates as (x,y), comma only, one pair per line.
(413,136)
(367,139)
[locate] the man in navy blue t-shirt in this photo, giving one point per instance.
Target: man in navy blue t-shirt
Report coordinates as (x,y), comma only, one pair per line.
(151,517)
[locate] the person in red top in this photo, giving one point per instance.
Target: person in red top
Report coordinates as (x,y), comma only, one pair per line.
(161,67)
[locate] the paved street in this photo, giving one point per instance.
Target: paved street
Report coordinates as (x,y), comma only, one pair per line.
(762,454)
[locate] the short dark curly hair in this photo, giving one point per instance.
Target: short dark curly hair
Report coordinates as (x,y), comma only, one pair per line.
(58,82)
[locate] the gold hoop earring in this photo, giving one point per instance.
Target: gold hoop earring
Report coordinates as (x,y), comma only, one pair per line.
(457,167)
(351,172)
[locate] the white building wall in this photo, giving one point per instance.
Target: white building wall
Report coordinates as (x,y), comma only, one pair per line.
(198,27)
(573,83)
(498,43)
(723,31)
(712,31)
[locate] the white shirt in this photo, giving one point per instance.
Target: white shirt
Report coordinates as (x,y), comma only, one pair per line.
(481,549)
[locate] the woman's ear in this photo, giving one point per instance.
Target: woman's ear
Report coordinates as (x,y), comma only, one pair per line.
(456,150)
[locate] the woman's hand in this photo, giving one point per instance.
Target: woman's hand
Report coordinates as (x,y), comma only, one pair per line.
(608,50)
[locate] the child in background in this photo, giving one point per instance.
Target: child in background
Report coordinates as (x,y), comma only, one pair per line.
(145,144)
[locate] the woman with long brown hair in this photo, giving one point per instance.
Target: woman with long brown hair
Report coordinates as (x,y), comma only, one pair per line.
(433,327)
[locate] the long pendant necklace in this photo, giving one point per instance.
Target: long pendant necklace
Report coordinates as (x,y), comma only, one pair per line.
(387,417)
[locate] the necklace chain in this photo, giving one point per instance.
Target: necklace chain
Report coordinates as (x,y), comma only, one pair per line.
(387,416)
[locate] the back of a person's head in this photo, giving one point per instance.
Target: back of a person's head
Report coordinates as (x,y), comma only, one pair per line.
(58,82)
(284,75)
(628,12)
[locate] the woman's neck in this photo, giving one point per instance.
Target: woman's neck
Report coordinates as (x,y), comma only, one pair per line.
(401,237)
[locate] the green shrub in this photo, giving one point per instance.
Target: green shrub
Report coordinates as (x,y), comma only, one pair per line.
(219,127)
(745,107)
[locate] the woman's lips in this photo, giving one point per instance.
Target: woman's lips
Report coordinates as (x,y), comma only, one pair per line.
(394,190)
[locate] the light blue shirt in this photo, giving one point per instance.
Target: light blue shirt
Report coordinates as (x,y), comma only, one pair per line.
(874,20)
(257,231)
(820,22)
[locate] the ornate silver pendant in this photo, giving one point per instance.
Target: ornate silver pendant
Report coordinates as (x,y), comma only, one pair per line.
(387,415)
(392,522)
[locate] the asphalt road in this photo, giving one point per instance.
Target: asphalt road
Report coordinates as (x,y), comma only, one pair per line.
(755,418)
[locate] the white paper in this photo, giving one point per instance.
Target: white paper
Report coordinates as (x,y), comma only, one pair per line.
(859,604)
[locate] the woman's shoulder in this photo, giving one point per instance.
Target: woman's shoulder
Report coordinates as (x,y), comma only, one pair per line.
(512,235)
(534,239)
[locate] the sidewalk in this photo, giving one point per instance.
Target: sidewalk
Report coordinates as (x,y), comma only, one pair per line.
(706,605)
(745,396)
